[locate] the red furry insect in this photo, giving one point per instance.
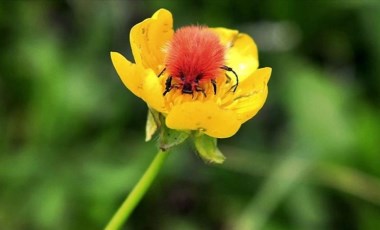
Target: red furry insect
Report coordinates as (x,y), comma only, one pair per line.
(194,55)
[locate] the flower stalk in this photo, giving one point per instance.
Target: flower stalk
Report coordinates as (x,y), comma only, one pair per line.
(137,192)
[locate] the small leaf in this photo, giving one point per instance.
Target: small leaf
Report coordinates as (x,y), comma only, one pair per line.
(152,124)
(171,137)
(207,149)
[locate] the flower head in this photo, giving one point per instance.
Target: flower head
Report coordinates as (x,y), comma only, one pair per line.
(214,103)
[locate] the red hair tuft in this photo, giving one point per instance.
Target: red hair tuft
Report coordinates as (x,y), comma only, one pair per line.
(194,54)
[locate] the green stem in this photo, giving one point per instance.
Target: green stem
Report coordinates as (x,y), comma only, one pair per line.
(138,192)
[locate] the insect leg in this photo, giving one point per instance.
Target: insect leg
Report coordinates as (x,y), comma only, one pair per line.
(159,75)
(213,82)
(168,85)
(229,69)
(228,78)
(200,89)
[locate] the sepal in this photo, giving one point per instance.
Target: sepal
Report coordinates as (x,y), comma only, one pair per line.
(170,137)
(152,124)
(207,148)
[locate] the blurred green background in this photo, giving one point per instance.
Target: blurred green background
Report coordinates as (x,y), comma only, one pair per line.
(72,136)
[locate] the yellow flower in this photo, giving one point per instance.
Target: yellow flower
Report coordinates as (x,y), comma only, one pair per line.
(219,115)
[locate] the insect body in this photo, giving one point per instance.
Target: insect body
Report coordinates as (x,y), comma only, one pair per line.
(194,55)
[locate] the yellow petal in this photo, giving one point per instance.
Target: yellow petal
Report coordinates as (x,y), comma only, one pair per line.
(206,116)
(152,93)
(242,54)
(130,74)
(251,94)
(148,39)
(142,82)
(226,36)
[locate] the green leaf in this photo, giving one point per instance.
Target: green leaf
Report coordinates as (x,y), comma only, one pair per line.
(170,137)
(207,149)
(152,124)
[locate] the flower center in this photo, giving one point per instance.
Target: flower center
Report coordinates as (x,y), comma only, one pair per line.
(176,95)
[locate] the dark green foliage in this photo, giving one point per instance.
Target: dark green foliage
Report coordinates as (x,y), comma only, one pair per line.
(72,136)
